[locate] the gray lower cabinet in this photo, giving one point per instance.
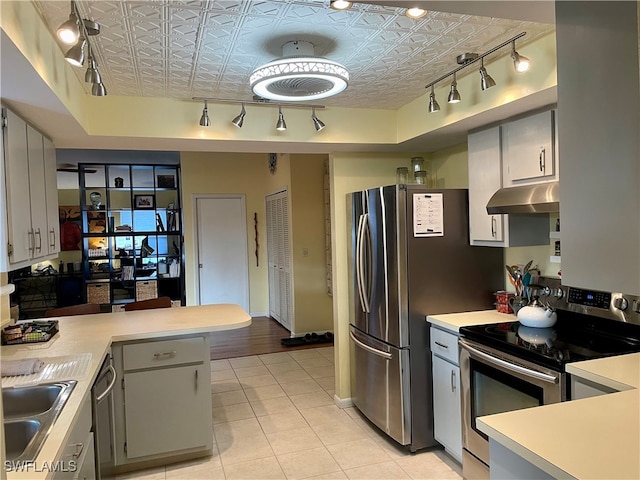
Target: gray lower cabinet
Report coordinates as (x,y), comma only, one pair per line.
(447,411)
(163,405)
(77,460)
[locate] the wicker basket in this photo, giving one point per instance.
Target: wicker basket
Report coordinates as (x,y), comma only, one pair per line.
(98,293)
(175,303)
(146,289)
(117,308)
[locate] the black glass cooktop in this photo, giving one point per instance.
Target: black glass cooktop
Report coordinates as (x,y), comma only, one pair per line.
(574,337)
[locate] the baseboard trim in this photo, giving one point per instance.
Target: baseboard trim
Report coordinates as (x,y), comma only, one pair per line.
(259,314)
(342,402)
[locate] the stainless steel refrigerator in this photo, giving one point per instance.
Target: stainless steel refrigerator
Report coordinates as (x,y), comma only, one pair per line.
(410,258)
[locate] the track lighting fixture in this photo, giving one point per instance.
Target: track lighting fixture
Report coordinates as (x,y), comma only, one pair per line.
(486,81)
(204,118)
(521,64)
(98,89)
(92,75)
(75,55)
(281,126)
(340,4)
(239,120)
(76,31)
(68,32)
(317,123)
(434,106)
(454,95)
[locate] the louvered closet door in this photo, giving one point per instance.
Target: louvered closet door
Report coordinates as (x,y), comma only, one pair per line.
(272,259)
(279,252)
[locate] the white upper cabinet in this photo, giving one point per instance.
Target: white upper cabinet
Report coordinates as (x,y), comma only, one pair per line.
(31,193)
(19,236)
(485,178)
(51,190)
(37,192)
(528,149)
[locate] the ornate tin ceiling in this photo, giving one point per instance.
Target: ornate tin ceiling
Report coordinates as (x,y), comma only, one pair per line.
(182,49)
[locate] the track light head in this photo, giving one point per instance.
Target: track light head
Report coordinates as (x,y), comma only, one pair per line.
(520,62)
(486,81)
(317,123)
(239,120)
(454,95)
(98,90)
(204,119)
(75,55)
(281,126)
(68,32)
(92,75)
(434,106)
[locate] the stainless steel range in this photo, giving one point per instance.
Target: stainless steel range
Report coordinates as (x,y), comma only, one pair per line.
(508,366)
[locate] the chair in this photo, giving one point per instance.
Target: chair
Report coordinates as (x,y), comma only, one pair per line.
(83,309)
(160,302)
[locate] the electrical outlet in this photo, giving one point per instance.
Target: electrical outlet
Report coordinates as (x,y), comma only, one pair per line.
(305,252)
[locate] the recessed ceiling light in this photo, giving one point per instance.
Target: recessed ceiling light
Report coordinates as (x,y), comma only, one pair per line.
(340,4)
(415,12)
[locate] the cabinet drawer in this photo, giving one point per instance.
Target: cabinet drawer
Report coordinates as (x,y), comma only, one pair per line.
(164,353)
(444,344)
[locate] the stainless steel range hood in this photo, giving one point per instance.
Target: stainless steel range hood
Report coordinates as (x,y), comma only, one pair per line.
(537,198)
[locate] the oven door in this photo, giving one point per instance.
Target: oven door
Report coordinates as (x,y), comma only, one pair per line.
(494,382)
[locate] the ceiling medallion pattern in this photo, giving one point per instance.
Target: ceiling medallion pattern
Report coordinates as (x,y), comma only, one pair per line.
(178,49)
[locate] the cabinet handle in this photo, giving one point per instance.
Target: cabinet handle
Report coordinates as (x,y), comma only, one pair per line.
(52,237)
(493,226)
(442,345)
(541,158)
(196,379)
(39,235)
(32,241)
(453,380)
(79,447)
(159,356)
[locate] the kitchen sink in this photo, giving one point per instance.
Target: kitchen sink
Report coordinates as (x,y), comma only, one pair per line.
(29,413)
(27,401)
(18,435)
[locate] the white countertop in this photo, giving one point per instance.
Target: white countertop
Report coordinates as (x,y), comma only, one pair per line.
(454,321)
(592,438)
(94,334)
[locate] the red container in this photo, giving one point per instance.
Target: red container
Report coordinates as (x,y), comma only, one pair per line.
(502,301)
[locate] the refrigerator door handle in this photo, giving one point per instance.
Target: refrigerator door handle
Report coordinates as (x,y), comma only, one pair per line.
(363,256)
(375,351)
(359,262)
(367,282)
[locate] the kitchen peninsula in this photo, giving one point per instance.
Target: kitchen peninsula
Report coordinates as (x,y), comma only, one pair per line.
(94,335)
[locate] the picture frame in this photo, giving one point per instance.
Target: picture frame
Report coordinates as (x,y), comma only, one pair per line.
(144,202)
(166,181)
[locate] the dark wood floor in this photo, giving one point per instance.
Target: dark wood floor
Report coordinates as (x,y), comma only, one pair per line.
(261,337)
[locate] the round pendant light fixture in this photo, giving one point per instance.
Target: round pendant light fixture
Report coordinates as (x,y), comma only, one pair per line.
(299,75)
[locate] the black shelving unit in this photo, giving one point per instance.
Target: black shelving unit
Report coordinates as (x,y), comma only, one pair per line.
(131,232)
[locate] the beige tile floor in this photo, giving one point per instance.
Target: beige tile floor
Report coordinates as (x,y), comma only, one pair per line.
(274,418)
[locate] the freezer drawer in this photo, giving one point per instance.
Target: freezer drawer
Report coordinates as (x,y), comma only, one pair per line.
(380,384)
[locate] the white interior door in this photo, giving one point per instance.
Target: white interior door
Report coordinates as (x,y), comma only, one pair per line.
(223,273)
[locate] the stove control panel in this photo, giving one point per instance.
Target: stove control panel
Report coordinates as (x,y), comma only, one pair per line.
(589,298)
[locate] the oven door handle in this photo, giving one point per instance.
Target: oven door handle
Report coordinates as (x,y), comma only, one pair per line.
(508,365)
